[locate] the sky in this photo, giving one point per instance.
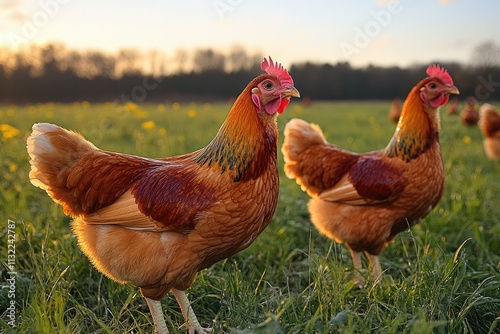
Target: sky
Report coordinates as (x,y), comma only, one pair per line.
(378,32)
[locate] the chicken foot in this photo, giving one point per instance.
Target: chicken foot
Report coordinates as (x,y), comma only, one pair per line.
(186,309)
(157,315)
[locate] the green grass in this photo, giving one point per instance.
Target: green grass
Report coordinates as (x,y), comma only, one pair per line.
(443,276)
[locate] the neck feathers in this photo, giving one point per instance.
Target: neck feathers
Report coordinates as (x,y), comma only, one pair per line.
(417,129)
(246,142)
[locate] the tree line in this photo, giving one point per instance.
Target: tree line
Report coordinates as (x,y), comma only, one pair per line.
(52,73)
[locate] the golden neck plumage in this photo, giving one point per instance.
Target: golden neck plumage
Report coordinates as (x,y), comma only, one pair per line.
(246,142)
(417,129)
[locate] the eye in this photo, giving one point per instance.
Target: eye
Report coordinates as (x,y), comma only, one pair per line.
(268,85)
(433,85)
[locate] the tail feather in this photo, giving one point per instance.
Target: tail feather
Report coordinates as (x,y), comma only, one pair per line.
(61,162)
(78,175)
(52,150)
(299,136)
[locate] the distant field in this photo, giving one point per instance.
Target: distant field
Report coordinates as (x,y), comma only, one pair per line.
(443,276)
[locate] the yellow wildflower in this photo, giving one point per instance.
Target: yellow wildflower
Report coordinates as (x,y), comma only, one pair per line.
(176,105)
(192,113)
(12,167)
(162,131)
(8,132)
(131,106)
(134,108)
(161,107)
(148,125)
(467,140)
(85,104)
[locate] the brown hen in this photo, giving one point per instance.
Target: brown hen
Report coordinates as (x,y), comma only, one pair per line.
(364,200)
(155,223)
(469,114)
(489,123)
(395,110)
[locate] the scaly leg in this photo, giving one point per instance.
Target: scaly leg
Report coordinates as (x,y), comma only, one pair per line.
(188,313)
(157,314)
(376,268)
(356,262)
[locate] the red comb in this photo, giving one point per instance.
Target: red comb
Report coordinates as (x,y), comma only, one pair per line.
(278,70)
(439,72)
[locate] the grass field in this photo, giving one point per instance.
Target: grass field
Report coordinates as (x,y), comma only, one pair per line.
(443,276)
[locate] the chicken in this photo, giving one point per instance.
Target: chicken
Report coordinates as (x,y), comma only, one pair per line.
(395,110)
(489,124)
(469,115)
(155,223)
(364,200)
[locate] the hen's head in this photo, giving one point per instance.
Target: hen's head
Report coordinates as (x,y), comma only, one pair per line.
(436,89)
(273,91)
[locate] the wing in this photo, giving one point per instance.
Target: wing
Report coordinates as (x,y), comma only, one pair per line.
(174,196)
(371,180)
(167,197)
(99,181)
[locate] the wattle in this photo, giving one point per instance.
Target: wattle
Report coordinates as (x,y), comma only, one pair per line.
(439,101)
(284,104)
(275,106)
(279,105)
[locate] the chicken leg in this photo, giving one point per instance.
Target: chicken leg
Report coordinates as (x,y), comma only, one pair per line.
(186,309)
(374,263)
(157,315)
(188,313)
(356,262)
(376,268)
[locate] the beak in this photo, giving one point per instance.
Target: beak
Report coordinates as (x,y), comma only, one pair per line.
(290,92)
(452,90)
